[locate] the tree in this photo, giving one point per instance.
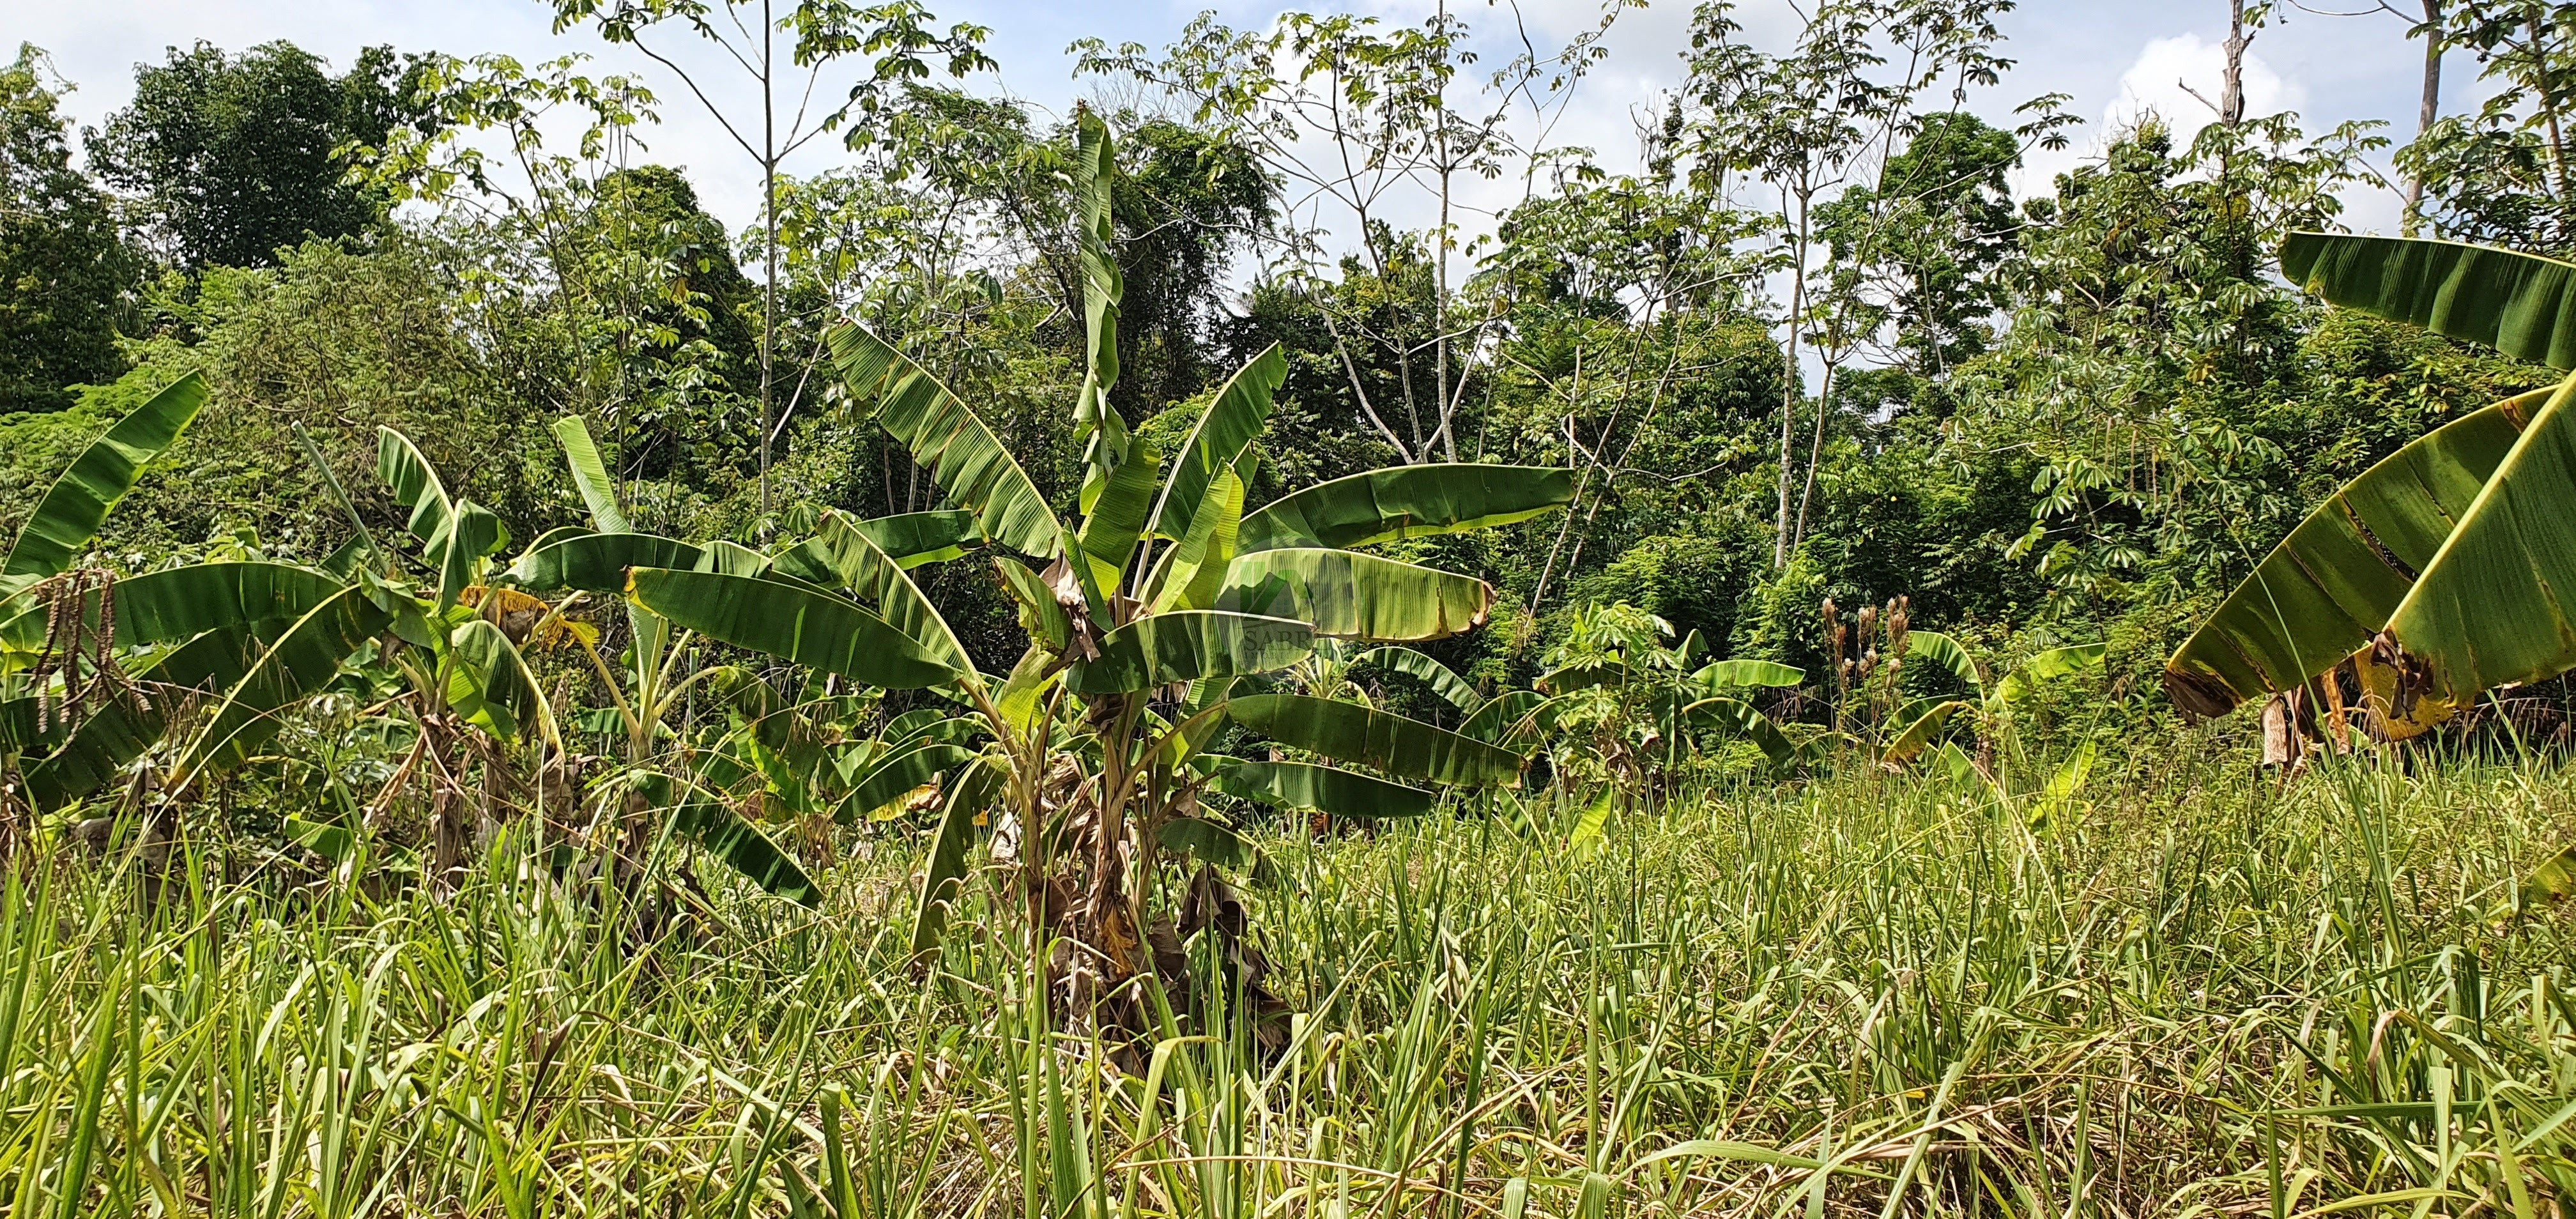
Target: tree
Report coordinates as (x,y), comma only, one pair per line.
(897,34)
(66,277)
(2501,174)
(231,159)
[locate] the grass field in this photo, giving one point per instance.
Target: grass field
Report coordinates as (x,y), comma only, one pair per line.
(1864,997)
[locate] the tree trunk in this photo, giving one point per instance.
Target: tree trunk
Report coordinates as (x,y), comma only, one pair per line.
(769,241)
(2231,96)
(1789,387)
(2427,109)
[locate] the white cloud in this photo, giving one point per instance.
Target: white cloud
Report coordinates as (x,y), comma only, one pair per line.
(2173,76)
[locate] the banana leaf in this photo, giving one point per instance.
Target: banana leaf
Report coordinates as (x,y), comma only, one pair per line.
(1040,614)
(2520,304)
(700,817)
(2055,662)
(1192,571)
(2337,580)
(298,665)
(1921,729)
(1211,842)
(486,680)
(944,873)
(1096,423)
(1345,595)
(96,751)
(416,487)
(596,562)
(791,623)
(1404,502)
(471,533)
(1950,654)
(903,772)
(963,456)
(590,475)
(1443,681)
(1184,645)
(1490,722)
(1322,789)
(912,539)
(2494,606)
(183,602)
(1734,715)
(1115,517)
(1236,416)
(78,502)
(1744,674)
(847,554)
(1349,732)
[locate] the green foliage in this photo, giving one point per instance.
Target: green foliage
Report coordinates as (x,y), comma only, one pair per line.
(235,158)
(67,276)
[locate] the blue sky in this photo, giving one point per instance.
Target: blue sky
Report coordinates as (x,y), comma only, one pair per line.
(2112,56)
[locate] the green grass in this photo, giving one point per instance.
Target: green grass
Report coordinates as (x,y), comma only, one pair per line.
(1866,997)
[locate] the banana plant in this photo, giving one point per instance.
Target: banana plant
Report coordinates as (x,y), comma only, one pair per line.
(2440,572)
(1924,723)
(1157,611)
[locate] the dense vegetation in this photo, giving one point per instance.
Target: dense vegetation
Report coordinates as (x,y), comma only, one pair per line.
(1079,666)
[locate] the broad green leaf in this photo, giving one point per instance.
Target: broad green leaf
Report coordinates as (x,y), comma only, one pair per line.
(336,843)
(1346,595)
(890,779)
(930,724)
(945,437)
(78,502)
(1322,789)
(1936,648)
(790,623)
(1022,700)
(1237,415)
(1584,675)
(1210,842)
(487,681)
(97,751)
(471,533)
(1442,680)
(2335,582)
(851,555)
(1736,716)
(912,539)
(1592,826)
(698,816)
(2494,606)
(415,486)
(1920,731)
(2554,880)
(2520,304)
(300,663)
(1490,722)
(590,475)
(20,731)
(184,602)
(1160,649)
(1116,517)
(944,873)
(2061,787)
(596,562)
(1192,571)
(732,559)
(1407,501)
(1743,674)
(1041,615)
(1349,732)
(2053,663)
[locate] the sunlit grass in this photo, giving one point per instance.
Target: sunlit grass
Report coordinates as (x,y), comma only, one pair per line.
(1871,996)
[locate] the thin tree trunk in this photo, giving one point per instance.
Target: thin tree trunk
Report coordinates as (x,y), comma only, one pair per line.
(1789,386)
(2549,106)
(769,240)
(2428,109)
(1815,450)
(2231,96)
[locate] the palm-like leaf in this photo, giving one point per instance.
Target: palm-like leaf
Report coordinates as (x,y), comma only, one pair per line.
(1322,789)
(963,456)
(77,504)
(1443,681)
(590,475)
(789,622)
(300,663)
(1392,743)
(1185,645)
(1407,501)
(1346,595)
(2520,304)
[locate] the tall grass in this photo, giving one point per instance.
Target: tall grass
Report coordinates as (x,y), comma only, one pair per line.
(1871,996)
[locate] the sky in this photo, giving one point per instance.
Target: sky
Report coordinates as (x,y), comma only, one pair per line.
(2113,58)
